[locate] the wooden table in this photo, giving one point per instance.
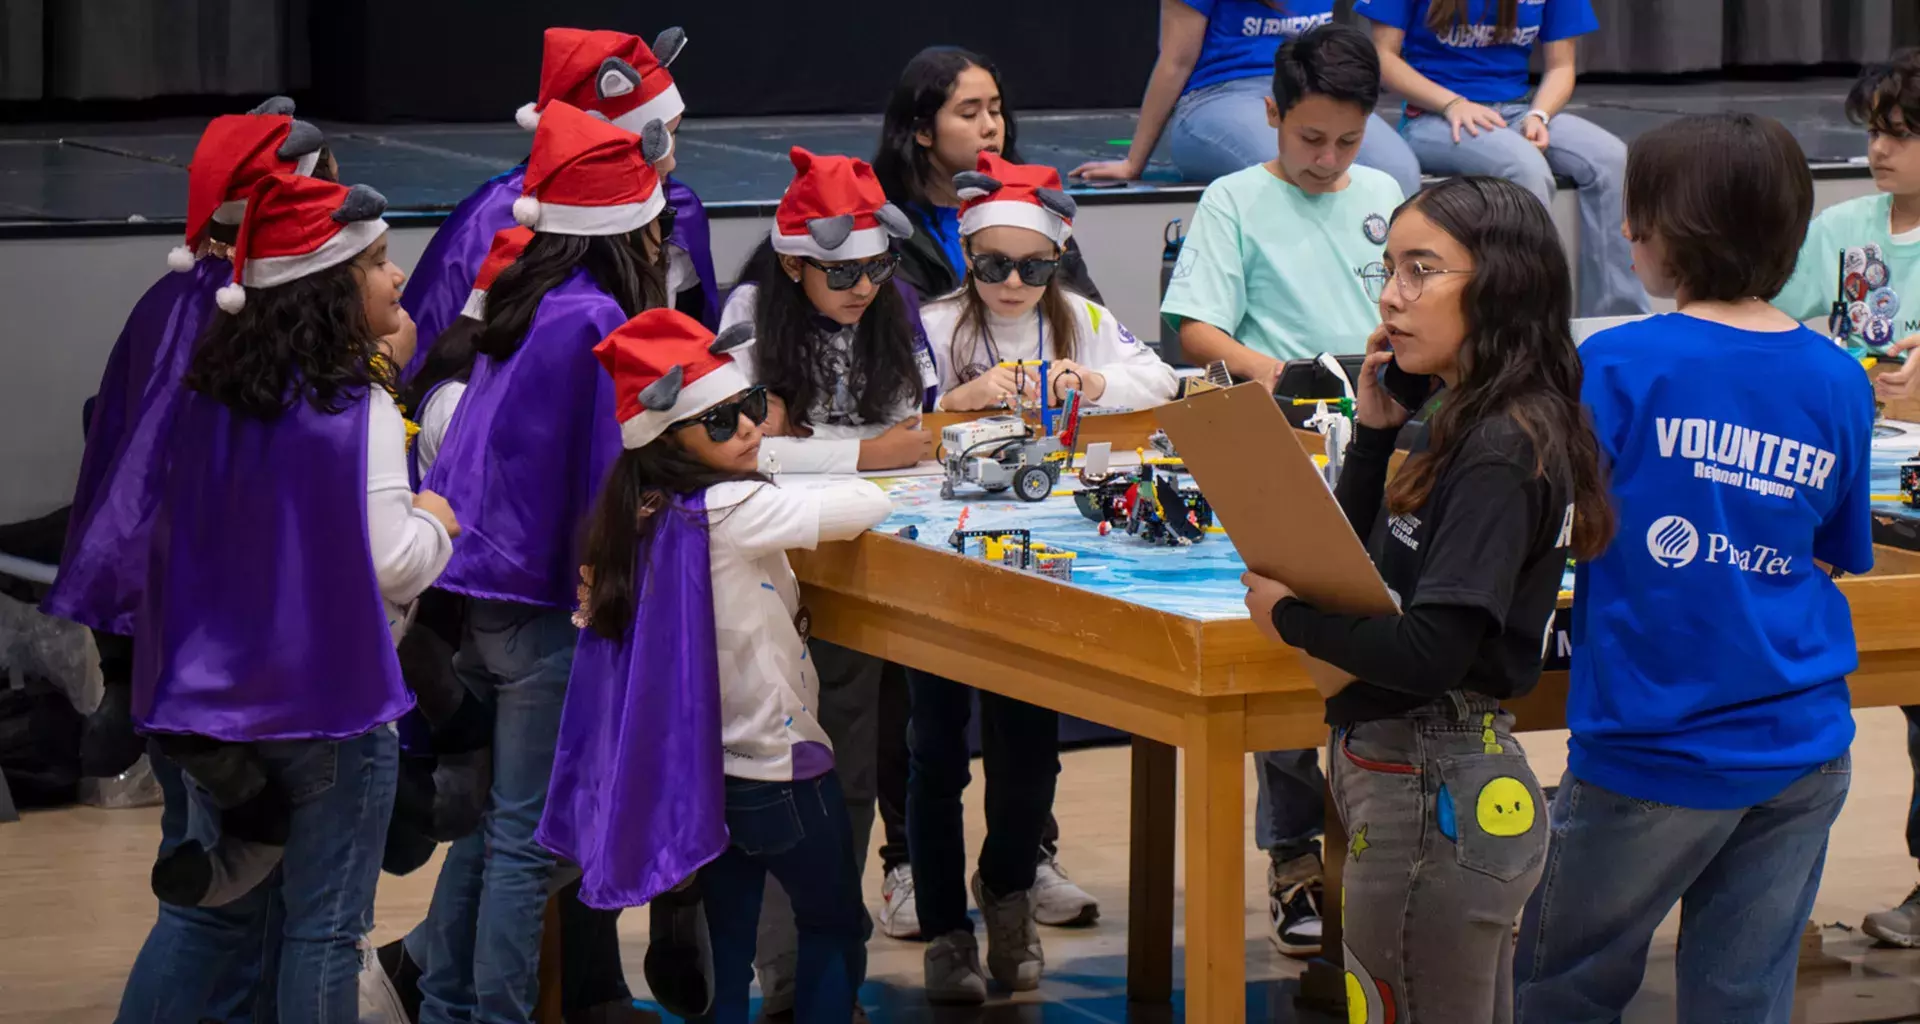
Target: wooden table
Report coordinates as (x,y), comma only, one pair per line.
(1216,690)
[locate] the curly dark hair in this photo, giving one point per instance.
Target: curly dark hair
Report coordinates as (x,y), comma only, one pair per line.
(306,338)
(615,262)
(787,343)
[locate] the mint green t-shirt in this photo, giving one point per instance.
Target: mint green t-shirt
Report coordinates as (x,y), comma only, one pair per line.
(1278,268)
(1850,251)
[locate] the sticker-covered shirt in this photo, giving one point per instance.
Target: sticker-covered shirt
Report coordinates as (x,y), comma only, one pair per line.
(1470,58)
(1710,651)
(1851,258)
(1243,36)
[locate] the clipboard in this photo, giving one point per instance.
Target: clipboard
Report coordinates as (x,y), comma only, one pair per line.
(1275,507)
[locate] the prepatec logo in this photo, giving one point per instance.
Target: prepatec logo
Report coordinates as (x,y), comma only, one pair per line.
(1672,541)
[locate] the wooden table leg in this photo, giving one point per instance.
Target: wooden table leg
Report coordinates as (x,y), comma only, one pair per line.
(1216,865)
(1150,873)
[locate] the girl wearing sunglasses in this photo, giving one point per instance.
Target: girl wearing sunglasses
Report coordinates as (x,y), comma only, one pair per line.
(690,618)
(1012,305)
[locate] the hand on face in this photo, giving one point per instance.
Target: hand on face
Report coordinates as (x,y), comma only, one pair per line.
(1372,406)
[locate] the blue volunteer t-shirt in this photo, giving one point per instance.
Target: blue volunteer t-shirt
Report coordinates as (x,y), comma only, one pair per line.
(1243,35)
(1469,59)
(1710,652)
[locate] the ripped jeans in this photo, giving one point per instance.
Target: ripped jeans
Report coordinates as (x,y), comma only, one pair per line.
(1446,836)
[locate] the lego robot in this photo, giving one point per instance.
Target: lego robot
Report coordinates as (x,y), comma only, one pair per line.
(1002,452)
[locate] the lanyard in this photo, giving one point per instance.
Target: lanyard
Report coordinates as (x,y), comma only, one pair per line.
(993,350)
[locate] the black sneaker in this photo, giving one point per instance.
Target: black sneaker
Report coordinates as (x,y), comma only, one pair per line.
(1293,902)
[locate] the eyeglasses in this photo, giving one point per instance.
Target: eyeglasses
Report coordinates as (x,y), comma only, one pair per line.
(1411,274)
(723,420)
(994,268)
(843,276)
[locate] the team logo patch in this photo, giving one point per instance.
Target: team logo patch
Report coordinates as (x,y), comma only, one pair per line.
(1375,228)
(1672,541)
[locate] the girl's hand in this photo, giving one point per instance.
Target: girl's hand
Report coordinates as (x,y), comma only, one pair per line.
(904,444)
(1535,129)
(437,507)
(993,389)
(1901,382)
(1372,406)
(1107,170)
(1063,374)
(1465,113)
(1262,595)
(401,344)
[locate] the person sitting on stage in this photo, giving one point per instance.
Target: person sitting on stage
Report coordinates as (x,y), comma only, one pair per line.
(1012,306)
(1708,703)
(1271,266)
(691,740)
(1471,536)
(609,73)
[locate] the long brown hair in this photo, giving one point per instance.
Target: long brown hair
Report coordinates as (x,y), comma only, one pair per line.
(1442,15)
(1518,359)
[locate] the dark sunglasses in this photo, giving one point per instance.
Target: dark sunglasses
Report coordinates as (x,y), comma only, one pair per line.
(994,268)
(723,420)
(842,276)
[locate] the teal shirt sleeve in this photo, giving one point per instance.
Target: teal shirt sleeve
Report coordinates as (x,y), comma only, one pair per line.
(1209,279)
(1810,292)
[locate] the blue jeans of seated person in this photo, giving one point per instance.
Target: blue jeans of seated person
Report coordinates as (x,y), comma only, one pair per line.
(482,934)
(1912,711)
(1290,808)
(1222,128)
(1020,752)
(198,963)
(1745,881)
(1592,156)
(799,833)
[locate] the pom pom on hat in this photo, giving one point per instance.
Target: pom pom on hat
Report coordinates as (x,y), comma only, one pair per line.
(526,211)
(527,117)
(180,259)
(231,298)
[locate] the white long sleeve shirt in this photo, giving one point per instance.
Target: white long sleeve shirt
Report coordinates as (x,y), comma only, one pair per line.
(1136,377)
(434,418)
(410,547)
(769,691)
(837,432)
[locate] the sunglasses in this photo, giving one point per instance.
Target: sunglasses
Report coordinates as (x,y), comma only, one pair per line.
(723,420)
(842,276)
(994,268)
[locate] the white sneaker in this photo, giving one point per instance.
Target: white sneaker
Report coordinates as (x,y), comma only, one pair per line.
(953,976)
(1059,902)
(1014,958)
(899,918)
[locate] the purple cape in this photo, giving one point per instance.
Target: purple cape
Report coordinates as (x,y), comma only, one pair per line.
(638,794)
(444,276)
(264,621)
(103,568)
(527,451)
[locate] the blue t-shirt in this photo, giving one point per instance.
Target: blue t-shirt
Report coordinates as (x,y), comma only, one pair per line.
(1710,652)
(1243,35)
(942,223)
(1468,59)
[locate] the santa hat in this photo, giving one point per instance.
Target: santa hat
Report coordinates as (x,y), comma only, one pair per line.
(588,177)
(1000,193)
(835,210)
(610,73)
(234,152)
(666,368)
(507,246)
(296,227)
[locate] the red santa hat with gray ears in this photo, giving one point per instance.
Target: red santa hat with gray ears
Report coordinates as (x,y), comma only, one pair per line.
(1000,193)
(588,177)
(835,210)
(235,151)
(666,368)
(610,73)
(507,247)
(296,227)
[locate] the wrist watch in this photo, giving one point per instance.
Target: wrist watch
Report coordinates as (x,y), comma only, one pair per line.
(1541,114)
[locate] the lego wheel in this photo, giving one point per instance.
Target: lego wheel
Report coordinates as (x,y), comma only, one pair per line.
(946,490)
(1032,484)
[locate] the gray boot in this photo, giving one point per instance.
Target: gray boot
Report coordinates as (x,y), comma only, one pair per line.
(1013,941)
(953,970)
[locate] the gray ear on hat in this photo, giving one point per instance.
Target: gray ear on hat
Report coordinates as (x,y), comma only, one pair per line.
(655,141)
(668,44)
(616,77)
(660,395)
(894,221)
(362,203)
(831,232)
(1057,201)
(598,116)
(973,185)
(737,336)
(302,138)
(281,105)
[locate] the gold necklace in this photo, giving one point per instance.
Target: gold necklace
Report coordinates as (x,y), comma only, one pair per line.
(384,375)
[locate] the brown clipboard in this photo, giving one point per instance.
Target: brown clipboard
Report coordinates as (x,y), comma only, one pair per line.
(1274,504)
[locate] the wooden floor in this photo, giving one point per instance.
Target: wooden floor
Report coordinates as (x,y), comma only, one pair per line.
(74,908)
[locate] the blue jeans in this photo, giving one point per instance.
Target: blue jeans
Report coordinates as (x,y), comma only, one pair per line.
(198,963)
(1592,156)
(1744,879)
(482,933)
(1020,751)
(1290,807)
(799,833)
(1222,128)
(1912,711)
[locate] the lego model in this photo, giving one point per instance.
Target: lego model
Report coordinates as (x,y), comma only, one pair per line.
(1016,549)
(1215,379)
(1148,503)
(1001,452)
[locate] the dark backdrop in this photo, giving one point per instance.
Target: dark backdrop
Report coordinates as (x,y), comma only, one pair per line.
(438,60)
